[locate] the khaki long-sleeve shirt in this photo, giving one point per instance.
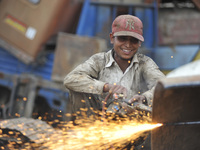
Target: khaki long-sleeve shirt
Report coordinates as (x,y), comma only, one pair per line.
(139,78)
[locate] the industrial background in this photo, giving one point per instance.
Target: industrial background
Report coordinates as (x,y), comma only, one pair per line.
(43,40)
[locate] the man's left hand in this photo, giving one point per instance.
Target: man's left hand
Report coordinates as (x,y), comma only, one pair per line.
(138,98)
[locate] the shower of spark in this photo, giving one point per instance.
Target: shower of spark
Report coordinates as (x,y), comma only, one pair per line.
(99,136)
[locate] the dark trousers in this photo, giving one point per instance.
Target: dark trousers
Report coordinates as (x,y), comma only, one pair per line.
(82,105)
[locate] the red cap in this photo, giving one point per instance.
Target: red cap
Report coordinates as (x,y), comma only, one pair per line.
(128,25)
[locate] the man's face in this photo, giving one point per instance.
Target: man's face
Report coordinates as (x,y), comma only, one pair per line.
(125,46)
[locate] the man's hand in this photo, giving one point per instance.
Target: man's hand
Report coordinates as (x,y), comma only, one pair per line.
(127,108)
(118,89)
(138,98)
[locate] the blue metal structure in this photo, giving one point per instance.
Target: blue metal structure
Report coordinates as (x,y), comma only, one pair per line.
(11,65)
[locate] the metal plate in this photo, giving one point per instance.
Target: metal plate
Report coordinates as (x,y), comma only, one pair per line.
(176,138)
(176,100)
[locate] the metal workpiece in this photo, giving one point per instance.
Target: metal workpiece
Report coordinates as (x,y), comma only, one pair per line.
(139,106)
(143,107)
(177,100)
(116,107)
(135,105)
(176,105)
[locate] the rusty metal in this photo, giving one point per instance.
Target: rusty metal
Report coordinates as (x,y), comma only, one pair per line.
(176,105)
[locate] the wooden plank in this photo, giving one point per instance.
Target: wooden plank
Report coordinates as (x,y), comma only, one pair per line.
(71,50)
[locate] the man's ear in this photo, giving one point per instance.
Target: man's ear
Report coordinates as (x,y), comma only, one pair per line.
(140,43)
(111,38)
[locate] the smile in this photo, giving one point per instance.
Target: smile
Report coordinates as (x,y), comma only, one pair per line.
(126,51)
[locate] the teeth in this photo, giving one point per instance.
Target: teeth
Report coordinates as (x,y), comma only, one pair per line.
(126,50)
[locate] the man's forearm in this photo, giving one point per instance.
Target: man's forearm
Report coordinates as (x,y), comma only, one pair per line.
(81,83)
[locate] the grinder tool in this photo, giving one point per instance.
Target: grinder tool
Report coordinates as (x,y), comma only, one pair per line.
(115,107)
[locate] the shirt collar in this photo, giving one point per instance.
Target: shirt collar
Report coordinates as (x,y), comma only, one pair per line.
(111,60)
(135,60)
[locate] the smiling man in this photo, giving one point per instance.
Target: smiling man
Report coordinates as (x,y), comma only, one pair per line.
(121,70)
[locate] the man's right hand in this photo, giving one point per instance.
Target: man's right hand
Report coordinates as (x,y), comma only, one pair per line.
(113,88)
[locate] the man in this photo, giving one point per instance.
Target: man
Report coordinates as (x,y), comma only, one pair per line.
(121,70)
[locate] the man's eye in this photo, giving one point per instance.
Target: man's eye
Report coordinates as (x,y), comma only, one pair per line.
(122,38)
(134,40)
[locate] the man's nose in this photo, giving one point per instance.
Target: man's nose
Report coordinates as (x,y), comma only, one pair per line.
(128,43)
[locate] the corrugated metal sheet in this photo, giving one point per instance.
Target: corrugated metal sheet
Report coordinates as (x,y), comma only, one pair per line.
(11,65)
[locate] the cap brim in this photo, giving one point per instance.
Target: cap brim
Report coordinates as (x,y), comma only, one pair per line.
(127,33)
